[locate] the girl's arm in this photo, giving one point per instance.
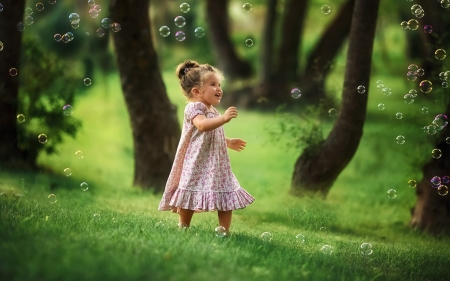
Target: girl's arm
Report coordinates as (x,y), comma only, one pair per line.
(236,144)
(204,124)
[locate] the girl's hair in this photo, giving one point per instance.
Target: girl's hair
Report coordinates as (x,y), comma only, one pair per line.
(192,74)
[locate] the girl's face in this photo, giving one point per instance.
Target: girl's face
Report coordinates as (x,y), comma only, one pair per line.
(210,93)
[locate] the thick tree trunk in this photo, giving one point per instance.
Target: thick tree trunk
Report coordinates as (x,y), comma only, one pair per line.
(9,85)
(318,167)
(226,57)
(268,41)
(320,60)
(156,130)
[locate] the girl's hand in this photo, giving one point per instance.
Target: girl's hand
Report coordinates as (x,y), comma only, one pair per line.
(236,144)
(230,113)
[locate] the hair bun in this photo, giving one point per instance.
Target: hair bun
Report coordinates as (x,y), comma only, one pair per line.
(184,67)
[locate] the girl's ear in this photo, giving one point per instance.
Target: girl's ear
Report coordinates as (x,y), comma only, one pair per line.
(195,91)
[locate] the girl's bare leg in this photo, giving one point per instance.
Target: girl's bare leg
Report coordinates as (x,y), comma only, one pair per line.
(225,219)
(185,217)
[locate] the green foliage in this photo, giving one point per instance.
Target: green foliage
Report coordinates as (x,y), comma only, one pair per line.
(47,84)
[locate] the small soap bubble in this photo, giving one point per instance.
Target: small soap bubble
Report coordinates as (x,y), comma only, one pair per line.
(379,82)
(67,172)
(445,4)
(199,32)
(13,71)
(413,67)
(442,76)
(420,72)
(93,13)
(164,31)
(445,179)
(436,153)
(326,249)
(28,11)
(84,186)
(248,42)
(387,91)
(361,89)
(412,183)
(440,54)
(300,238)
(52,2)
(266,236)
(116,27)
(87,81)
(435,181)
(97,217)
(20,118)
(79,154)
(65,38)
(106,23)
(70,36)
(332,112)
(180,21)
(431,129)
(247,7)
(97,8)
(20,26)
(91,2)
(380,87)
(428,29)
(440,121)
(67,110)
(87,33)
(100,32)
(184,7)
(180,36)
(381,106)
(404,25)
(413,24)
(75,25)
(52,199)
(425,86)
(413,93)
(296,93)
(326,9)
(391,193)
(1,46)
(74,17)
(442,190)
(444,85)
(28,20)
(366,249)
(40,6)
(1,7)
(400,139)
(399,115)
(220,231)
(447,140)
(411,75)
(424,110)
(42,138)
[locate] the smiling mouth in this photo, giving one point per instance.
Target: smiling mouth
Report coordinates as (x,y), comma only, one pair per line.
(218,95)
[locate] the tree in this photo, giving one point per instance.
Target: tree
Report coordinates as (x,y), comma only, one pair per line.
(9,85)
(154,123)
(319,165)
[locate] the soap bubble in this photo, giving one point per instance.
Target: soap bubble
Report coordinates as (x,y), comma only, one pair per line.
(447,140)
(74,17)
(52,198)
(91,2)
(361,89)
(424,110)
(431,129)
(106,23)
(440,54)
(13,71)
(42,138)
(67,110)
(399,115)
(116,27)
(180,21)
(435,181)
(184,7)
(444,85)
(75,25)
(266,236)
(442,76)
(411,75)
(248,42)
(326,9)
(400,139)
(164,31)
(28,11)
(413,93)
(445,179)
(65,38)
(39,6)
(93,13)
(20,118)
(327,249)
(381,106)
(199,32)
(413,67)
(67,172)
(1,46)
(392,193)
(52,1)
(443,190)
(84,186)
(220,231)
(420,72)
(366,249)
(436,153)
(180,36)
(79,154)
(300,238)
(332,112)
(97,217)
(425,86)
(440,121)
(100,32)
(387,91)
(380,87)
(20,26)
(28,20)
(70,36)
(87,81)
(404,25)
(428,29)
(247,7)
(296,93)
(413,24)
(97,8)
(379,82)
(412,183)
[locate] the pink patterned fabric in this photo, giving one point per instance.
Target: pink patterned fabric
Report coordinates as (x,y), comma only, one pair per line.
(201,178)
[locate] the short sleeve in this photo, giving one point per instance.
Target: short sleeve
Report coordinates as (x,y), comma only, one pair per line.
(193,109)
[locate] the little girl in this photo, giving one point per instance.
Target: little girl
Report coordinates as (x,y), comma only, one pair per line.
(201,178)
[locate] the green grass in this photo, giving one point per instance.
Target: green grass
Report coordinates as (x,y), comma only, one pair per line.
(131,240)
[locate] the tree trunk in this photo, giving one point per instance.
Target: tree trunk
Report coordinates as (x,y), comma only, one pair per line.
(268,39)
(320,59)
(227,59)
(9,85)
(156,130)
(318,166)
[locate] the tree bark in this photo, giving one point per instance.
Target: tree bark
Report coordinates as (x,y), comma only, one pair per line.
(320,60)
(268,41)
(154,123)
(9,85)
(318,166)
(226,57)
